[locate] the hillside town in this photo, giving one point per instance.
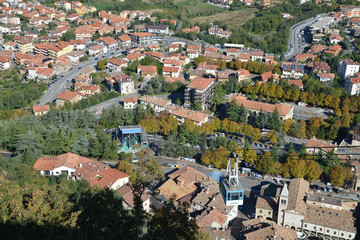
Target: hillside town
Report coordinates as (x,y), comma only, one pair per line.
(251,144)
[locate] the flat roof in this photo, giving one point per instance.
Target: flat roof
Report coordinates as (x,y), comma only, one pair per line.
(131,129)
(232,187)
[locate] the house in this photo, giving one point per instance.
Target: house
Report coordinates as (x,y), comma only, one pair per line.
(321,67)
(194,29)
(181,114)
(160,29)
(304,57)
(173,72)
(77,167)
(124,40)
(347,68)
(97,49)
(24,45)
(75,56)
(324,77)
(128,198)
(130,103)
(147,71)
(314,146)
(257,56)
(266,207)
(194,48)
(292,70)
(298,83)
(175,79)
(225,74)
(44,74)
(182,182)
(352,85)
(121,83)
(116,64)
(316,48)
(219,32)
(192,54)
(134,56)
(244,57)
(174,47)
(201,90)
(41,110)
(243,75)
(109,42)
(253,107)
(5,62)
(158,104)
(268,75)
(67,96)
(87,89)
(335,39)
(334,50)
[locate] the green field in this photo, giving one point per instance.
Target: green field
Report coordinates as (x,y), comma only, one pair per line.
(101,5)
(239,17)
(197,8)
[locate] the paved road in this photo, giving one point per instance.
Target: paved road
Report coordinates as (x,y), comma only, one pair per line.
(296,43)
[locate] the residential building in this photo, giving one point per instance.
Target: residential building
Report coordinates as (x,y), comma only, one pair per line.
(243,75)
(303,57)
(130,103)
(124,40)
(209,68)
(292,70)
(160,29)
(181,114)
(116,64)
(77,167)
(352,85)
(347,68)
(5,63)
(158,104)
(41,110)
(97,49)
(171,72)
(147,71)
(67,96)
(128,198)
(75,56)
(253,107)
(266,207)
(121,83)
(109,42)
(266,76)
(255,55)
(142,38)
(314,146)
(24,45)
(201,90)
(335,39)
(217,31)
(325,77)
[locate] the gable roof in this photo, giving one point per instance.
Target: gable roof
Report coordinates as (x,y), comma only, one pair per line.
(43,108)
(127,195)
(200,83)
(67,95)
(298,189)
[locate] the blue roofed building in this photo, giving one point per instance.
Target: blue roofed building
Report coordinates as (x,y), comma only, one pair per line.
(131,138)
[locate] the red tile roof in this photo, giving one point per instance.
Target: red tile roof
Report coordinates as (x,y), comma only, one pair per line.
(67,95)
(43,108)
(201,83)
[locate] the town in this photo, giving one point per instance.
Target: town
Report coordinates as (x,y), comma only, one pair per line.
(134,119)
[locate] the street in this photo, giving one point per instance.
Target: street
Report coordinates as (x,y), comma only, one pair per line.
(296,42)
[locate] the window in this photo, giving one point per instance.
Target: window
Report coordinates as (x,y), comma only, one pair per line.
(305,225)
(342,234)
(320,229)
(260,211)
(327,231)
(334,232)
(269,212)
(314,228)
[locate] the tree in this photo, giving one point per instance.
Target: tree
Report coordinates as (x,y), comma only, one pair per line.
(207,158)
(220,157)
(256,134)
(313,171)
(274,121)
(101,64)
(196,106)
(337,175)
(265,163)
(261,121)
(272,137)
(287,125)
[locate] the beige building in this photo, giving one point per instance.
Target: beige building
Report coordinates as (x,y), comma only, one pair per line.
(266,207)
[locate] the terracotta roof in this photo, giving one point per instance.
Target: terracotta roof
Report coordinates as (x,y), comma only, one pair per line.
(170,69)
(331,218)
(207,218)
(298,83)
(257,53)
(298,189)
(200,83)
(327,75)
(117,61)
(189,114)
(316,143)
(155,100)
(70,160)
(67,95)
(267,75)
(188,175)
(147,69)
(142,34)
(127,194)
(43,108)
(131,99)
(4,59)
(268,203)
(265,230)
(211,49)
(282,108)
(134,56)
(124,38)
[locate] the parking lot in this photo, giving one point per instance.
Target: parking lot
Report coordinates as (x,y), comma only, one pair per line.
(305,113)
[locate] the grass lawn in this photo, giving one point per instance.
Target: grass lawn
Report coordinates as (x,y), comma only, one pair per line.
(197,7)
(100,5)
(239,17)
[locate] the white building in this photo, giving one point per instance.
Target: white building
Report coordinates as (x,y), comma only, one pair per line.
(77,167)
(128,198)
(130,103)
(97,49)
(347,68)
(5,62)
(352,85)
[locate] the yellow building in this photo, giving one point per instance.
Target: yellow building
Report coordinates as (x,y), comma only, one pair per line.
(24,45)
(80,10)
